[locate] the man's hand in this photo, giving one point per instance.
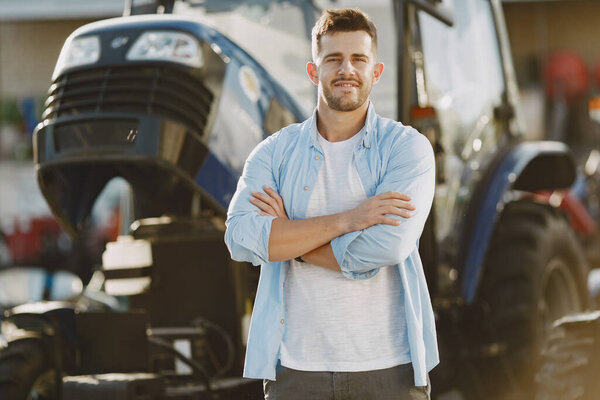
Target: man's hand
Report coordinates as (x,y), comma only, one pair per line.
(368,213)
(269,204)
(290,239)
(373,210)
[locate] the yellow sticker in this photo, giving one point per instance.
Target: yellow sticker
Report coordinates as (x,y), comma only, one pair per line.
(250,83)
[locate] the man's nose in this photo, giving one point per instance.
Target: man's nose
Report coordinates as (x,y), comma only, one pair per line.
(346,68)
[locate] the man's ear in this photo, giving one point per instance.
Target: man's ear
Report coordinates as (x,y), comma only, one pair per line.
(377,71)
(311,70)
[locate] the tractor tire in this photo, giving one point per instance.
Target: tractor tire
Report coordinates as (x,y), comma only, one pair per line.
(571,360)
(25,371)
(534,273)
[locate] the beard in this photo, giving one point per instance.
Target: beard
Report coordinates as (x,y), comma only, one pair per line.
(346,102)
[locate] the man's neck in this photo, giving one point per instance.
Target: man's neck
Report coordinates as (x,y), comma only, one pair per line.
(336,126)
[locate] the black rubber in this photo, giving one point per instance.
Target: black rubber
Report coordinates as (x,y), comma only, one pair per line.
(21,364)
(507,332)
(570,362)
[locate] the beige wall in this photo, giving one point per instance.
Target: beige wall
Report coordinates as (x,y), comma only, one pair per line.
(536,29)
(28,52)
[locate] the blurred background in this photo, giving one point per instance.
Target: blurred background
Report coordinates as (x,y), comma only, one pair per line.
(554,49)
(469,108)
(31,36)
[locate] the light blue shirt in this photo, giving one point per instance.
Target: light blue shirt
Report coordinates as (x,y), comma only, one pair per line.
(391,157)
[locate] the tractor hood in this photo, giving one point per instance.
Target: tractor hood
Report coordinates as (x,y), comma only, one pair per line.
(165,102)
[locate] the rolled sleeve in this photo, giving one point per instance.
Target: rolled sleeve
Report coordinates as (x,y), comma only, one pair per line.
(249,238)
(410,170)
(247,232)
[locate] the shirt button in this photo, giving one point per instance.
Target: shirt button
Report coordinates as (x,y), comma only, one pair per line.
(368,274)
(282,321)
(306,188)
(317,157)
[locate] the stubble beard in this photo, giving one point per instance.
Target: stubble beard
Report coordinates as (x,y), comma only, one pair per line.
(339,103)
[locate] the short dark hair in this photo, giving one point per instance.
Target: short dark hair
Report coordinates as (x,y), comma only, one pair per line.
(342,20)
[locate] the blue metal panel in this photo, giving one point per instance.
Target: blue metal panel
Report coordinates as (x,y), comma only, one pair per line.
(203,32)
(231,138)
(502,180)
(217,180)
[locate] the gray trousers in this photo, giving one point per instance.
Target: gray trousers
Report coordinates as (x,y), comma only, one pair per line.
(395,383)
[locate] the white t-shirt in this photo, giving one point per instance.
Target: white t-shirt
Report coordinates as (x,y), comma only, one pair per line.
(334,323)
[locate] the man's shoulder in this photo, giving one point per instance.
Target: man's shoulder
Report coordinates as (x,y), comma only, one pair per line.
(392,133)
(291,131)
(284,138)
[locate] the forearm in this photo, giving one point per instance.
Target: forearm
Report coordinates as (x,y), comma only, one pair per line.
(292,238)
(322,257)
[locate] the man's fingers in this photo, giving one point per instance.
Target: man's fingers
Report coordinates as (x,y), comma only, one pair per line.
(274,195)
(393,195)
(258,203)
(394,211)
(405,204)
(389,221)
(263,206)
(398,203)
(275,202)
(265,198)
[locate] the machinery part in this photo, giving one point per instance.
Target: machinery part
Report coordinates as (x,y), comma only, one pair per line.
(168,125)
(132,386)
(222,334)
(81,348)
(534,273)
(122,348)
(26,372)
(528,166)
(570,360)
(196,367)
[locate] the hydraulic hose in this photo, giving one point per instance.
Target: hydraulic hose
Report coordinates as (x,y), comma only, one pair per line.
(198,369)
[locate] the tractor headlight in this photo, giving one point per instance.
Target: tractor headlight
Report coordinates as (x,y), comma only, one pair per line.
(167,46)
(79,51)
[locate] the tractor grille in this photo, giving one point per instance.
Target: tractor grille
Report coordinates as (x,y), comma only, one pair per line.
(156,90)
(86,135)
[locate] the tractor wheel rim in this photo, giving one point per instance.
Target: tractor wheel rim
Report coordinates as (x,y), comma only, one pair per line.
(559,295)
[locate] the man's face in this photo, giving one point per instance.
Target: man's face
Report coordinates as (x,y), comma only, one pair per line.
(345,70)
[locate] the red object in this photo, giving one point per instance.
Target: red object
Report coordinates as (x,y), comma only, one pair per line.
(565,75)
(581,220)
(26,244)
(417,112)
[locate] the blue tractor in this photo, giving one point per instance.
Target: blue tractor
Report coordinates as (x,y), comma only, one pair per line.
(174,106)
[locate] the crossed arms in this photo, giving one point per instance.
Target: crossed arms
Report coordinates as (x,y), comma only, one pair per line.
(311,237)
(379,232)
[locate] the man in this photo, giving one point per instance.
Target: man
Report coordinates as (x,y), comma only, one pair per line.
(342,309)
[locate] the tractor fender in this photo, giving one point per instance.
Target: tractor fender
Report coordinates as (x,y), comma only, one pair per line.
(527,166)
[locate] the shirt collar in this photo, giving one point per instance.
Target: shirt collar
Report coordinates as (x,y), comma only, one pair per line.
(369,127)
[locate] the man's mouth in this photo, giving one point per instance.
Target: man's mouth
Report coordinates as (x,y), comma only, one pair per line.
(346,84)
